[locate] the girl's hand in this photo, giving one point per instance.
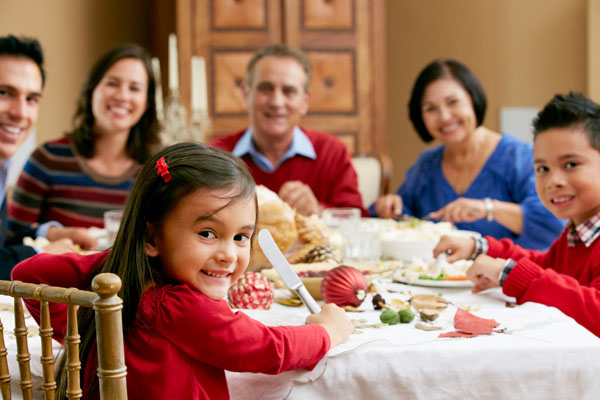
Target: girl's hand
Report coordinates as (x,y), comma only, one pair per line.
(461,210)
(485,273)
(457,248)
(335,321)
(389,206)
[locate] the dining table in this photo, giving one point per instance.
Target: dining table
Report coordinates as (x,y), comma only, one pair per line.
(536,352)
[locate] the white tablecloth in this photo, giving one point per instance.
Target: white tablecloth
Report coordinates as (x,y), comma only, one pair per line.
(543,355)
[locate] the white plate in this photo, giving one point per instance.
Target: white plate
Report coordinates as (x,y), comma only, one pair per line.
(435,283)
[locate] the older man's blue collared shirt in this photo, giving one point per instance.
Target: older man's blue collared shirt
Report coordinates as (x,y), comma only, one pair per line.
(300,146)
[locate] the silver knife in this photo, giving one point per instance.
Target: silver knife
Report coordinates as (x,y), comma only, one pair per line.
(285,270)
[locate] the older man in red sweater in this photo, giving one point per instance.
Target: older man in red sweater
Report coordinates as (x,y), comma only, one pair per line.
(309,170)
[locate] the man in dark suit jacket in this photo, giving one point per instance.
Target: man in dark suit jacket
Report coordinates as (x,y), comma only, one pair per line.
(21,83)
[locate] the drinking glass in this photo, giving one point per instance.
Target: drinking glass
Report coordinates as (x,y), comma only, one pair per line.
(112,221)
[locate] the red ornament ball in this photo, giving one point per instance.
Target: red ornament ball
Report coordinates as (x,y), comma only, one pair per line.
(344,286)
(251,291)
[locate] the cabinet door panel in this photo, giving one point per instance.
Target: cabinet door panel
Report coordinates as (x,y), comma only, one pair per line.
(328,14)
(229,72)
(239,14)
(333,81)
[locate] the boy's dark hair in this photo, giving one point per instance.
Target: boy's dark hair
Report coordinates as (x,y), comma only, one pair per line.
(444,68)
(192,167)
(571,110)
(11,45)
(279,50)
(144,135)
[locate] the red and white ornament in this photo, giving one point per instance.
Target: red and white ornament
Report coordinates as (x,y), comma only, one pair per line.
(251,291)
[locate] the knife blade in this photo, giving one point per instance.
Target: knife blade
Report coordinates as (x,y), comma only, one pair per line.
(285,270)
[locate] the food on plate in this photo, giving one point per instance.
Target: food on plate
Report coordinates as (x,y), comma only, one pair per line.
(406,315)
(379,302)
(389,317)
(418,268)
(424,327)
(428,306)
(251,291)
(415,238)
(416,230)
(469,325)
(344,286)
(294,234)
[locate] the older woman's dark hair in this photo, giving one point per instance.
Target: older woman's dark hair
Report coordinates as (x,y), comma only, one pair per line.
(571,110)
(143,137)
(444,68)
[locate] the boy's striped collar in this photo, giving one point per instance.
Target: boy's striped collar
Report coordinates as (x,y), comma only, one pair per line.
(585,232)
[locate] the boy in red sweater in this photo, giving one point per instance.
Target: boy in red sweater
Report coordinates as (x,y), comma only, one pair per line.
(567,165)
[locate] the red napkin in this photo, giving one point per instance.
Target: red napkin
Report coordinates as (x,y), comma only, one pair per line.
(469,325)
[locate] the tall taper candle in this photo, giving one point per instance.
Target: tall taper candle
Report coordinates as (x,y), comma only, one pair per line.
(173,64)
(158,92)
(199,96)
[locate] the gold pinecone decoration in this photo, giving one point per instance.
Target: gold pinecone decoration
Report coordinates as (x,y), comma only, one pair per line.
(323,254)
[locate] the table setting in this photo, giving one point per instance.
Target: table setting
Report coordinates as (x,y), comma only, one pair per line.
(463,345)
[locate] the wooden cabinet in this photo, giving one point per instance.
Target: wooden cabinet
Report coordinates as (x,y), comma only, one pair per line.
(344,40)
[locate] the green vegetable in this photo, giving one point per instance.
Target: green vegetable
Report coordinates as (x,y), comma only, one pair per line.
(440,277)
(406,316)
(389,317)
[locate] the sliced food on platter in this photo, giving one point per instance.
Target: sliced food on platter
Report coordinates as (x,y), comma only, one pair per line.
(425,273)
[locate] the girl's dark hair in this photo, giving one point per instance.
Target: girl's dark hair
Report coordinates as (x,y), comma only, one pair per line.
(193,167)
(143,137)
(444,68)
(570,110)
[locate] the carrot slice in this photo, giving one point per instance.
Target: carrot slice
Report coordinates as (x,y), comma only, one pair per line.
(455,278)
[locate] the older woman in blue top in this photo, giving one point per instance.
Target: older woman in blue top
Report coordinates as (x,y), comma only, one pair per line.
(479,179)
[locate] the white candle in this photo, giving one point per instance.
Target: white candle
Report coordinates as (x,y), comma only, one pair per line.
(173,65)
(158,101)
(199,96)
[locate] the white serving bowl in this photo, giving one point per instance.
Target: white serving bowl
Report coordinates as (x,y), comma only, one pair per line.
(404,250)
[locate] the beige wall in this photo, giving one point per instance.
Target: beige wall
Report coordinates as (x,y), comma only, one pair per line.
(73,34)
(523,51)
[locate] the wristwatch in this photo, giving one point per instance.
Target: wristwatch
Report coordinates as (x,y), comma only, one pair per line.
(489,208)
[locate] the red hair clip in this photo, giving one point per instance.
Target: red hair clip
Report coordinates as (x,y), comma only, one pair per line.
(163,169)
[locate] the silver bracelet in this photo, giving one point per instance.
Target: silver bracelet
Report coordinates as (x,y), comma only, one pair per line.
(489,208)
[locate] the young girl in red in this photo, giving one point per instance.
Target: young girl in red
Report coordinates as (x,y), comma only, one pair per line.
(184,239)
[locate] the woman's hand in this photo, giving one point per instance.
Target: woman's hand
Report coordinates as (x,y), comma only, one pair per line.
(457,248)
(59,246)
(335,321)
(79,236)
(389,206)
(461,210)
(485,273)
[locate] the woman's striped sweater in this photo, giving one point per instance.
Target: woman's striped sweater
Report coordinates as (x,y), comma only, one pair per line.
(56,184)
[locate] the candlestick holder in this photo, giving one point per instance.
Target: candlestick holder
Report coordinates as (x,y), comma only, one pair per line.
(199,125)
(174,127)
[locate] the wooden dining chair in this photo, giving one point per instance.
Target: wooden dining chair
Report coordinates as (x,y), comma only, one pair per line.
(374,172)
(109,336)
